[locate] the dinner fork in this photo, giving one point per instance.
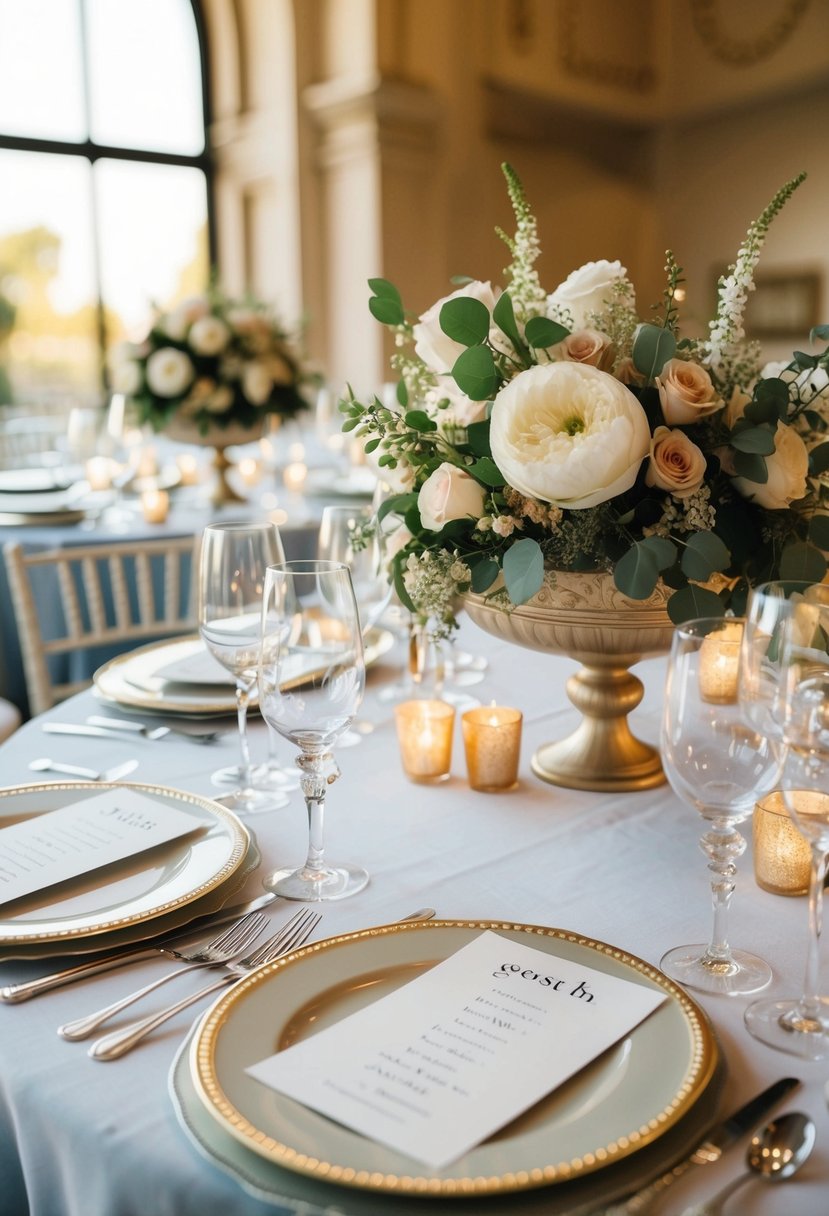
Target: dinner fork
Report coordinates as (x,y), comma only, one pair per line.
(128,726)
(294,933)
(223,949)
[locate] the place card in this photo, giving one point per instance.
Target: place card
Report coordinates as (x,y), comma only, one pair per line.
(435,1067)
(76,839)
(200,667)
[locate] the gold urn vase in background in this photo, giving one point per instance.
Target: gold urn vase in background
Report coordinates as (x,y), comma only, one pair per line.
(183,430)
(584,616)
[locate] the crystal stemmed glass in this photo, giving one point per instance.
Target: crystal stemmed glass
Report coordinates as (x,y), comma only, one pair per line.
(340,541)
(795,692)
(234,559)
(311,683)
(721,765)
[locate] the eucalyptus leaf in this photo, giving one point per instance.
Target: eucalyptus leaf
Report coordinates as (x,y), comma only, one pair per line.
(819,331)
(637,571)
(484,575)
(386,311)
(819,459)
(774,392)
(756,440)
(803,360)
(652,348)
(465,320)
(477,437)
(400,584)
(384,289)
(692,602)
(475,373)
(396,504)
(802,561)
(503,315)
(819,531)
(542,333)
(751,466)
(523,567)
(704,555)
(486,470)
(420,421)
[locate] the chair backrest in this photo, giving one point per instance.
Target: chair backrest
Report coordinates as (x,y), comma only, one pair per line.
(68,600)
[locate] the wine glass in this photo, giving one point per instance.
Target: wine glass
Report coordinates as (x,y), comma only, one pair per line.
(339,541)
(234,559)
(311,683)
(796,695)
(719,764)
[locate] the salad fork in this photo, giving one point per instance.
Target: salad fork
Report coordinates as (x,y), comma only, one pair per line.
(294,933)
(223,949)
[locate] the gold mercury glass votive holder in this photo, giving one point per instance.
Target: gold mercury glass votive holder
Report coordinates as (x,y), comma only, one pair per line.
(782,857)
(424,732)
(492,742)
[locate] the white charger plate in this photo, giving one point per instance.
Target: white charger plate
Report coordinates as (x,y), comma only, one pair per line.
(133,679)
(133,892)
(617,1106)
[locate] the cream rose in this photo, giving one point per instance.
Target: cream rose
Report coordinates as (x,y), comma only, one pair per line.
(686,392)
(208,336)
(256,382)
(586,291)
(787,467)
(449,493)
(568,434)
(676,464)
(586,346)
(437,351)
(169,372)
(462,410)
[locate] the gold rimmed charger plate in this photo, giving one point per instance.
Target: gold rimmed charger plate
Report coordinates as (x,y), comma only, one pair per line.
(624,1101)
(130,679)
(137,890)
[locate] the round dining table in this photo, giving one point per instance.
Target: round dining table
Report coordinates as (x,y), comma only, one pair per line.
(80,1137)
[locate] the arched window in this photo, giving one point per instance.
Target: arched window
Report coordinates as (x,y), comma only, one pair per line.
(105,183)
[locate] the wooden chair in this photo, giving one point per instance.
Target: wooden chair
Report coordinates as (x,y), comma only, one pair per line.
(110,595)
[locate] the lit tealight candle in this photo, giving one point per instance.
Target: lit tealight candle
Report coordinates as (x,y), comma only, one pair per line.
(155,504)
(294,476)
(249,470)
(147,464)
(782,856)
(424,732)
(99,472)
(719,660)
(492,742)
(188,468)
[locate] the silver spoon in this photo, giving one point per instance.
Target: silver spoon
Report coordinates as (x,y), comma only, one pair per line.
(775,1153)
(44,764)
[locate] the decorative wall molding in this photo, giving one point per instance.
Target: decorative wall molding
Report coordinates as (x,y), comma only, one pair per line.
(744,52)
(577,60)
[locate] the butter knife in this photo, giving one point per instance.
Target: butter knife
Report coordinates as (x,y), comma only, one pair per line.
(72,728)
(710,1149)
(12,994)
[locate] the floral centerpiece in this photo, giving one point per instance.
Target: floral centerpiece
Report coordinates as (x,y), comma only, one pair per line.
(558,431)
(212,362)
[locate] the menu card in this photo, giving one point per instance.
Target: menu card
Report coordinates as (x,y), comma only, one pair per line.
(435,1067)
(199,667)
(84,836)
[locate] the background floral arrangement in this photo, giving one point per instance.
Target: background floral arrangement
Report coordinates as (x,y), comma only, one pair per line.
(541,432)
(213,361)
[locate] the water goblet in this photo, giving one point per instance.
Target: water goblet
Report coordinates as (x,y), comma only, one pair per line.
(234,559)
(796,692)
(311,683)
(719,764)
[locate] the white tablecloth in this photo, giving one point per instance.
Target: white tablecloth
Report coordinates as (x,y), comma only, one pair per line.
(79,1138)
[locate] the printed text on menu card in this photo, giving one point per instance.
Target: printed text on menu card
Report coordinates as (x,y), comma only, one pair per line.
(84,836)
(440,1064)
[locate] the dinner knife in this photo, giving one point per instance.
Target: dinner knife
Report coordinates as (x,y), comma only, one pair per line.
(710,1149)
(12,994)
(73,728)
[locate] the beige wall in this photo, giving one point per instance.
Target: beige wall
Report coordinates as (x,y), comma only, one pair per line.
(367,136)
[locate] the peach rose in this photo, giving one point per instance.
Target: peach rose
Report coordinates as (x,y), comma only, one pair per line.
(586,346)
(686,392)
(787,466)
(676,464)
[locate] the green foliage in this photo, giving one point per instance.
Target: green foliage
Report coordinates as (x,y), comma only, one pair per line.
(385,304)
(542,333)
(637,571)
(477,436)
(487,472)
(751,466)
(692,602)
(819,459)
(754,440)
(503,315)
(484,574)
(475,373)
(819,531)
(523,566)
(465,320)
(652,348)
(802,561)
(704,555)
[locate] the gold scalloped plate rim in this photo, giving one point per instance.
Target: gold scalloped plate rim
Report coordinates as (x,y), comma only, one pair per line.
(239,838)
(703,1060)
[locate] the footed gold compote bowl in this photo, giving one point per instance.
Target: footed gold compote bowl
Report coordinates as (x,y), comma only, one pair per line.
(583,615)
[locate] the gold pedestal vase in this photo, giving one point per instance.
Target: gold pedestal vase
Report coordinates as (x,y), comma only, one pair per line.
(182,430)
(585,617)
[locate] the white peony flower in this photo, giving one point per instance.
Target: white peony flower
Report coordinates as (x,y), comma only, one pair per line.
(787,467)
(208,336)
(449,493)
(256,382)
(568,434)
(586,291)
(437,351)
(169,372)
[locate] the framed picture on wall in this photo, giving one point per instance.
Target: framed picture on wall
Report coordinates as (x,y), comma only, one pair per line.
(784,304)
